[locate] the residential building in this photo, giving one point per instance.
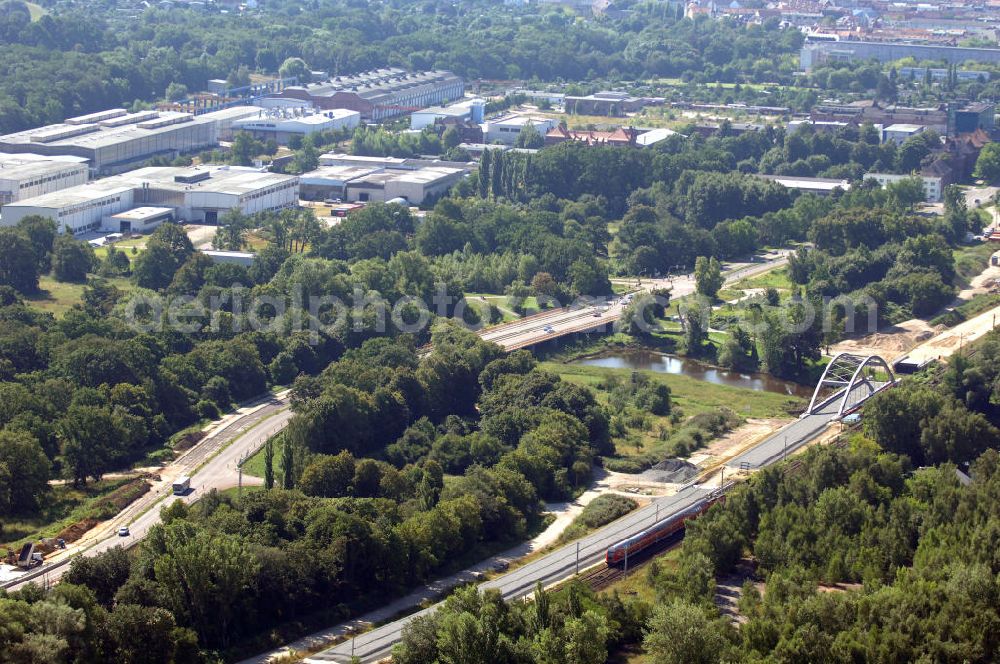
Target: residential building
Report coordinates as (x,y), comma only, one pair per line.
(27,175)
(813,54)
(940,74)
(933,185)
(380,94)
(200,195)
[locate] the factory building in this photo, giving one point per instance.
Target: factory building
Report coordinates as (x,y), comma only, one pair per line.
(139,200)
(330,182)
(508,128)
(380,94)
(415,187)
(115,140)
(29,175)
(472,110)
(281,124)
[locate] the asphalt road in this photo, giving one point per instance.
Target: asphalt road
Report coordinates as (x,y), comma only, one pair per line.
(377,644)
(238,437)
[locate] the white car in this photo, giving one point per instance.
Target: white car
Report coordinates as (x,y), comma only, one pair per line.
(123,531)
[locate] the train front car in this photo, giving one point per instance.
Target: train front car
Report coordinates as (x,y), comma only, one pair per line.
(619,551)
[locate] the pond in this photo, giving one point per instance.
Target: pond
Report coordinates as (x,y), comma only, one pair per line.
(650,360)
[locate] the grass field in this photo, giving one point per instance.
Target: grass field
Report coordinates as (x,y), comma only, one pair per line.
(771,279)
(693,396)
(970,260)
(57,297)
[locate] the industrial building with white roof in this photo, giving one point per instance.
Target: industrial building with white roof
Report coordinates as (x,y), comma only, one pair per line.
(28,175)
(115,140)
(141,199)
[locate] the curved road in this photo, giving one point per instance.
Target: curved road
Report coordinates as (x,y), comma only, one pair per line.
(211,464)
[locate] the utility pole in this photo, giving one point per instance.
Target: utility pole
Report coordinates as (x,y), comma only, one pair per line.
(578,558)
(722,478)
(626,560)
(784,449)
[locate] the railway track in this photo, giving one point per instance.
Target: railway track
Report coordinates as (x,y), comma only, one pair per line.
(600,577)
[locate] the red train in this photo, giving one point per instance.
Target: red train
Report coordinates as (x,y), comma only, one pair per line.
(658,532)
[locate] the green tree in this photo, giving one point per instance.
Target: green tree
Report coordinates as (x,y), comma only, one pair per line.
(328,476)
(296,67)
(708,276)
(71,259)
(988,163)
(287,464)
(90,440)
(245,148)
(166,250)
(27,471)
(142,634)
(269,464)
(586,639)
(529,138)
(450,139)
(18,262)
(681,633)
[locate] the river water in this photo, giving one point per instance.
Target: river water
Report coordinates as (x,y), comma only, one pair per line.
(650,360)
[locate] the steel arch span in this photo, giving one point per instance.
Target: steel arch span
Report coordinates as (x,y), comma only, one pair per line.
(853,379)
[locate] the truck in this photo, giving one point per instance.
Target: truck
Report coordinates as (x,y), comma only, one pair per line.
(182,485)
(27,558)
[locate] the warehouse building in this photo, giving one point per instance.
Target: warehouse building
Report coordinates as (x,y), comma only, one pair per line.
(115,140)
(155,194)
(380,94)
(415,187)
(470,110)
(330,182)
(507,129)
(281,124)
(29,175)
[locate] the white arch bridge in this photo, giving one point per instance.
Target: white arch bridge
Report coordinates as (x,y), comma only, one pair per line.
(848,381)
